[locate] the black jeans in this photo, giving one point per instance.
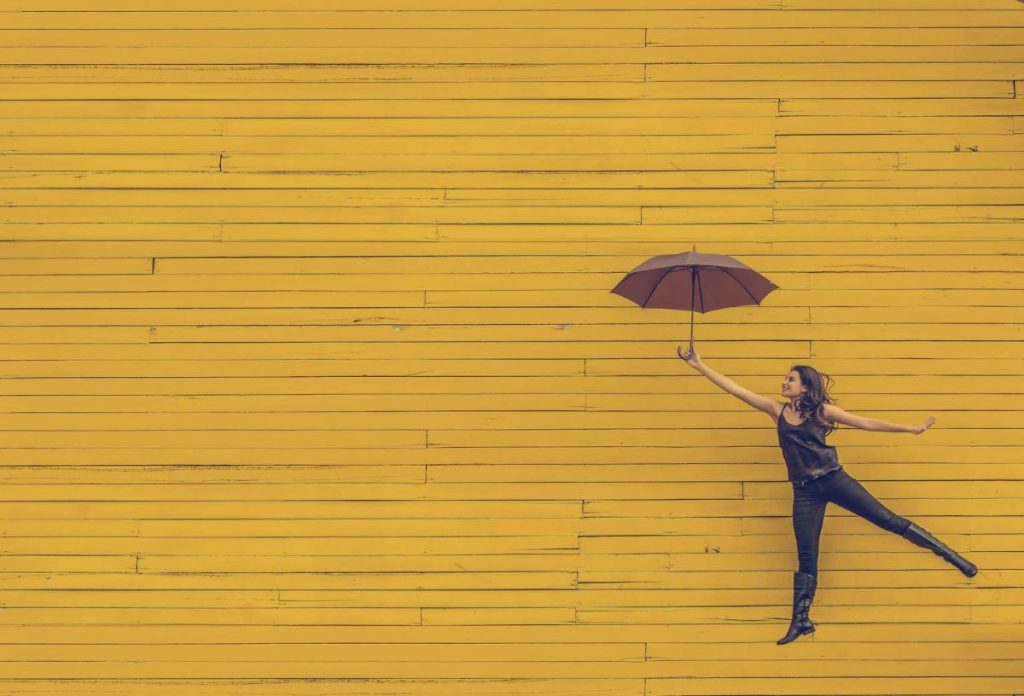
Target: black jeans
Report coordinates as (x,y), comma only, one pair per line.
(810,500)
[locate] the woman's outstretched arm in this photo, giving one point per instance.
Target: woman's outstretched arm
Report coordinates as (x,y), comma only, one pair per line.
(837,414)
(761,403)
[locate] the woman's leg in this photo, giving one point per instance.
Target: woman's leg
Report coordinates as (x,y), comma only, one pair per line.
(847,492)
(808,517)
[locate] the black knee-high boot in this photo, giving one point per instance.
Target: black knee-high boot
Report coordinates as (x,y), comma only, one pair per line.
(804,585)
(921,537)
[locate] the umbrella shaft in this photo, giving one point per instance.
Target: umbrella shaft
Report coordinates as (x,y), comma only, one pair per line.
(693,289)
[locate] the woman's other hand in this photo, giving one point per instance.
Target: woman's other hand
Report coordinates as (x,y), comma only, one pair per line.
(692,359)
(924,426)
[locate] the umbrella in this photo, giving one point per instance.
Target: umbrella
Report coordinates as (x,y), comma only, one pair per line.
(695,281)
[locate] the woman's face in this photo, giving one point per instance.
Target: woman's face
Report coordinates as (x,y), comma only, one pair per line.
(791,385)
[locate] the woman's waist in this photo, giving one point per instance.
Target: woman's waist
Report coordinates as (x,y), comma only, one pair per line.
(819,476)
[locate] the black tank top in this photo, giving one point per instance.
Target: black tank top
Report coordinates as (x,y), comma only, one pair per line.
(803,446)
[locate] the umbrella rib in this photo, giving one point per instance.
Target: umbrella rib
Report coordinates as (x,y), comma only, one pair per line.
(740,284)
(700,290)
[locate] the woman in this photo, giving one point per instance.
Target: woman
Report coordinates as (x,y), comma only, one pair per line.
(817,478)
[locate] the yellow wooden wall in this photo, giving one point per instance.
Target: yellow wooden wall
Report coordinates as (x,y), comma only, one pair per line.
(313,383)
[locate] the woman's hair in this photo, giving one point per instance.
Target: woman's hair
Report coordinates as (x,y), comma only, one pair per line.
(811,403)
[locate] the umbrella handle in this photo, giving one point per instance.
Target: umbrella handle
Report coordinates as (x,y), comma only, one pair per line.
(693,287)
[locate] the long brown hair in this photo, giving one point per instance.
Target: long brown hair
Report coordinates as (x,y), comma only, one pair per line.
(811,404)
